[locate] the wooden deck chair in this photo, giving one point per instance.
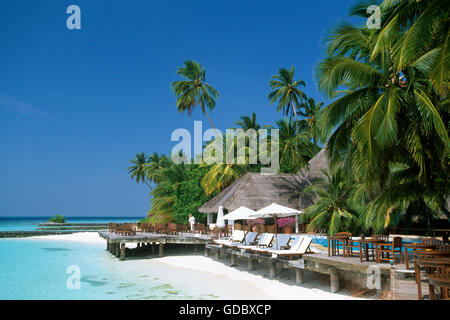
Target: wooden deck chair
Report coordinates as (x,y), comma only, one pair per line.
(390,249)
(301,248)
(281,241)
(249,240)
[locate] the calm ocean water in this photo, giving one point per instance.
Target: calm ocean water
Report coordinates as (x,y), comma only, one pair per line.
(31,223)
(38,269)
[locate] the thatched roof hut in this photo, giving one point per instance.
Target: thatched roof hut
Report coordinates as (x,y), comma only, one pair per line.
(255,190)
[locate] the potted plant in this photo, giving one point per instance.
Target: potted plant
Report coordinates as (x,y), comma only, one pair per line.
(255,224)
(286,224)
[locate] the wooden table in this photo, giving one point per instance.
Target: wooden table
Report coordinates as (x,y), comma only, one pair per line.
(365,243)
(440,280)
(429,258)
(333,241)
(414,247)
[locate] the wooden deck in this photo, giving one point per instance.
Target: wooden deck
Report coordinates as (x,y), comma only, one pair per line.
(367,274)
(116,243)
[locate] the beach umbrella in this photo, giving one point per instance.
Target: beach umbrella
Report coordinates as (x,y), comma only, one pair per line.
(275,211)
(240,213)
(220,222)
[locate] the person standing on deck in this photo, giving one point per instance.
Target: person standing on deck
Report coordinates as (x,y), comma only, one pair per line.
(191,221)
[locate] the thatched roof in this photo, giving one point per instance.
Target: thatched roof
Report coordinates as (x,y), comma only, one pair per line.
(255,190)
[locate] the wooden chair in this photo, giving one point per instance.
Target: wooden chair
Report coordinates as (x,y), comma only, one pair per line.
(444,247)
(354,244)
(112,227)
(434,267)
(436,242)
(392,248)
(343,234)
(172,228)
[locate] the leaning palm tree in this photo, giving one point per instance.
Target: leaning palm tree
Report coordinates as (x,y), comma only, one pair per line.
(138,169)
(194,90)
(332,211)
(286,91)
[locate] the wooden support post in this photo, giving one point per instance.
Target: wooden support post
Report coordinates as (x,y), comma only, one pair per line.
(195,248)
(334,280)
(233,260)
(217,254)
(206,252)
(111,246)
(161,249)
(117,250)
(153,248)
(251,266)
(272,269)
(299,276)
(122,251)
(107,245)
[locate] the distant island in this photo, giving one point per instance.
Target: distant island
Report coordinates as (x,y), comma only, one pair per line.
(57,219)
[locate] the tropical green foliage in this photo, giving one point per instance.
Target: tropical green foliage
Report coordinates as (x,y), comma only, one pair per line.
(388,124)
(286,91)
(57,219)
(194,90)
(333,212)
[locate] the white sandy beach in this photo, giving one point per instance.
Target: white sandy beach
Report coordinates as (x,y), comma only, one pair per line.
(315,288)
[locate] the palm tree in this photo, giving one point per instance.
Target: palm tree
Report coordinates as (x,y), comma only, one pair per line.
(247,122)
(332,211)
(286,91)
(294,147)
(387,126)
(311,109)
(194,90)
(425,37)
(138,170)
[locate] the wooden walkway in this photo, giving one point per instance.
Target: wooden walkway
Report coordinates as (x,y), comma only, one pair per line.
(366,274)
(116,243)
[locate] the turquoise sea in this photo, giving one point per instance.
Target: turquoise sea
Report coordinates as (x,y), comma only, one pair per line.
(40,269)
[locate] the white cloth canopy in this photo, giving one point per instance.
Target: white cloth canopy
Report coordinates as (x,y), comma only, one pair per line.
(240,213)
(220,222)
(276,210)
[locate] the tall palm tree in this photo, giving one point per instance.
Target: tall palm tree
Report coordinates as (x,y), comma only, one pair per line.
(311,109)
(194,90)
(286,91)
(333,210)
(138,169)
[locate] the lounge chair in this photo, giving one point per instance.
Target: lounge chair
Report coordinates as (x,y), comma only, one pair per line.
(263,242)
(249,240)
(299,248)
(237,237)
(281,241)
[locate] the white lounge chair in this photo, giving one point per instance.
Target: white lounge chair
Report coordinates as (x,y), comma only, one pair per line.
(299,248)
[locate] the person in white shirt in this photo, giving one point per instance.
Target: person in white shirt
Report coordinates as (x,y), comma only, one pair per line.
(191,221)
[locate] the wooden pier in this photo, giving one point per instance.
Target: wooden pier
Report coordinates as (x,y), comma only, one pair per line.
(116,243)
(367,274)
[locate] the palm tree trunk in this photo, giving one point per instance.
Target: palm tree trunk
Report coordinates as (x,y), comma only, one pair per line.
(209,119)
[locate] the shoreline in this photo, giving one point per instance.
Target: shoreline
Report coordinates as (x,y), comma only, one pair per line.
(283,288)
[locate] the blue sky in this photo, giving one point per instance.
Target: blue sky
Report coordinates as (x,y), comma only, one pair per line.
(76,105)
